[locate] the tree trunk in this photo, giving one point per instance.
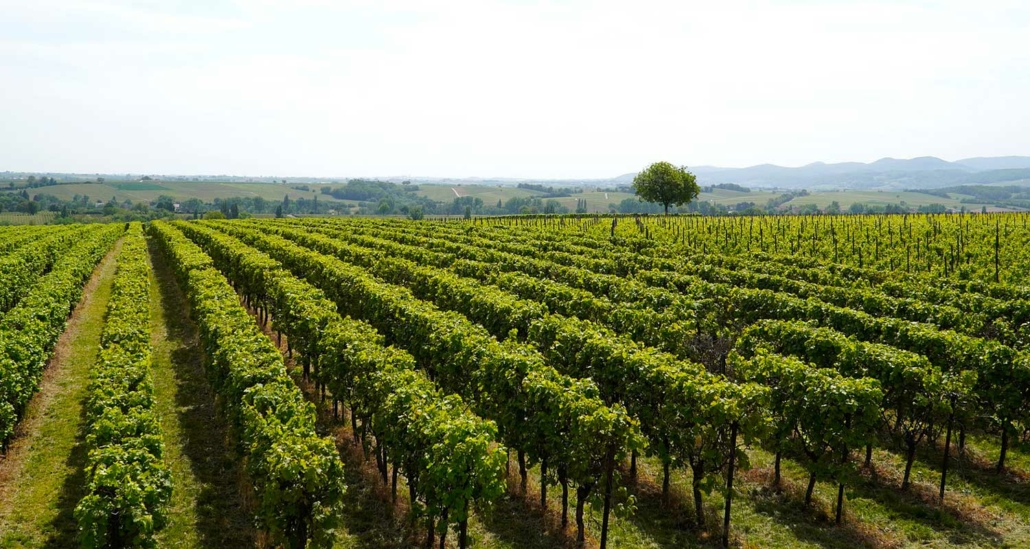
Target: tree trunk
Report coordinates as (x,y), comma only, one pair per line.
(776,469)
(910,457)
(412,496)
(381,461)
(729,487)
(581,496)
(393,485)
(633,465)
(543,484)
(811,488)
(354,423)
(443,535)
(564,502)
(840,482)
(523,474)
(840,502)
(869,454)
(947,449)
(699,511)
(430,532)
(665,483)
(1004,446)
(608,481)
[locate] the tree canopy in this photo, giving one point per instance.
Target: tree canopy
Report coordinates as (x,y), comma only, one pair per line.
(666,184)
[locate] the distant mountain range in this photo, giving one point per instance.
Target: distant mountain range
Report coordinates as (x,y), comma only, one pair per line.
(926,172)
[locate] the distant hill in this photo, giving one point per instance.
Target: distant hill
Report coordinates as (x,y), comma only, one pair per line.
(925,172)
(921,164)
(996,163)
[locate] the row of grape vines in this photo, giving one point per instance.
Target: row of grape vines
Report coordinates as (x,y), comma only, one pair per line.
(448,455)
(966,249)
(127,486)
(576,345)
(914,380)
(296,474)
(648,383)
(547,417)
(1003,373)
(1002,370)
(42,283)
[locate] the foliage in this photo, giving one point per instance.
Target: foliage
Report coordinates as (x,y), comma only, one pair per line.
(538,411)
(396,405)
(666,184)
(296,474)
(29,331)
(127,486)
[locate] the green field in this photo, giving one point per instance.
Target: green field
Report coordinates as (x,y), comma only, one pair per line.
(600,201)
(148,191)
(17,218)
(597,202)
(489,194)
(732,198)
(823,199)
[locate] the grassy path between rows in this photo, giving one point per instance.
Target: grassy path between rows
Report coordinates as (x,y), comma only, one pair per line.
(41,478)
(207,509)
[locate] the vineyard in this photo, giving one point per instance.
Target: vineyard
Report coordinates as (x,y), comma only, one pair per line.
(516,382)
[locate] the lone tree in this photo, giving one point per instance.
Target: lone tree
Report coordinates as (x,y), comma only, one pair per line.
(666,184)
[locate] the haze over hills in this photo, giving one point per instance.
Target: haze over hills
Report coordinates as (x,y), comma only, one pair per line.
(926,172)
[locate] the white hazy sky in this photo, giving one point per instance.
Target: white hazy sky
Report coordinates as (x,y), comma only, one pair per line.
(564,89)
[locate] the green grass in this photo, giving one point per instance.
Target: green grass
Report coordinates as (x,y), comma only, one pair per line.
(980,509)
(206,509)
(181,191)
(42,479)
(148,191)
(732,198)
(489,194)
(597,202)
(139,186)
(880,198)
(17,218)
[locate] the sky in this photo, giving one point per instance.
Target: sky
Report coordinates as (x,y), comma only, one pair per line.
(502,88)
